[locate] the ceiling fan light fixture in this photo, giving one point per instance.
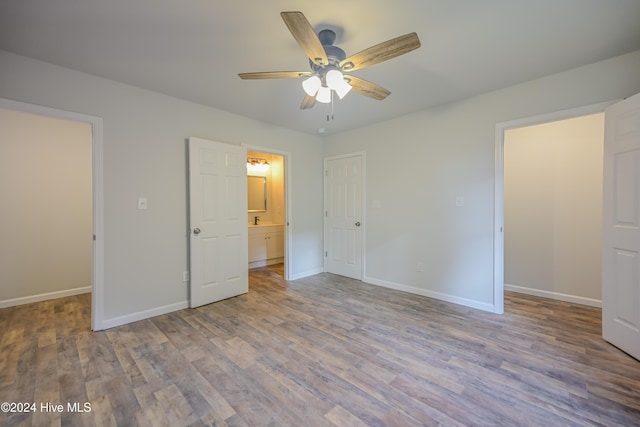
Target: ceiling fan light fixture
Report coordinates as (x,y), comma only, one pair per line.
(324,95)
(343,89)
(311,85)
(334,79)
(257,165)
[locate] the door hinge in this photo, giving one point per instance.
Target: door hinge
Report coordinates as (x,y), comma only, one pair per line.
(94,237)
(326,213)
(326,254)
(326,173)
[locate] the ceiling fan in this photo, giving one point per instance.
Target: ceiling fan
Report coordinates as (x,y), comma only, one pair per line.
(329,62)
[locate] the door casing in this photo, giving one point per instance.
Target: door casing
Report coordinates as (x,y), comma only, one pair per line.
(498,239)
(288,244)
(97,282)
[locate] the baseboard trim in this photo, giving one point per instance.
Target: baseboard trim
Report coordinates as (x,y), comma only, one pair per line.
(306,274)
(265,262)
(431,294)
(146,314)
(142,315)
(554,295)
(44,297)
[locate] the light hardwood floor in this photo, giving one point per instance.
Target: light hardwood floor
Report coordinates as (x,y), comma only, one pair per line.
(320,351)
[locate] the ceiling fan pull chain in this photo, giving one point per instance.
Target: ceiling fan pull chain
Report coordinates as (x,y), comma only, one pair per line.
(331,107)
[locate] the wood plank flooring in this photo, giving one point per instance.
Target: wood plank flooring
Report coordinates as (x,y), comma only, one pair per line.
(320,351)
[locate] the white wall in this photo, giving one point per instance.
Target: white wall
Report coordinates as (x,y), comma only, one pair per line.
(417,165)
(145,155)
(277,189)
(553,209)
(46,212)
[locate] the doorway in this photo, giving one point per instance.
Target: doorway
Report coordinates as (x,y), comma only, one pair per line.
(268,216)
(553,209)
(499,231)
(86,179)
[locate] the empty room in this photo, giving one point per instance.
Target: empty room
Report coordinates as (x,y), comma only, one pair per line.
(283,213)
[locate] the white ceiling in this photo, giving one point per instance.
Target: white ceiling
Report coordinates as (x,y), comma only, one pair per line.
(194,49)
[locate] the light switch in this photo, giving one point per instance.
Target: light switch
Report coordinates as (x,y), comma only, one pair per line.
(376,204)
(142,203)
(459,201)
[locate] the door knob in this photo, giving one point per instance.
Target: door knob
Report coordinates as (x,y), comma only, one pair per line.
(358,224)
(196,231)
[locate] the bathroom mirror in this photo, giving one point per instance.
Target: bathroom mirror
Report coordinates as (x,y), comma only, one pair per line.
(257,193)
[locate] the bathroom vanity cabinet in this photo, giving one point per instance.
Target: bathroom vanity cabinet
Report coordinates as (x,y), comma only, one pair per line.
(266,245)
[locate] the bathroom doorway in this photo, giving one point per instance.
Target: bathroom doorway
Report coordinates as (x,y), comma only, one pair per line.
(267,217)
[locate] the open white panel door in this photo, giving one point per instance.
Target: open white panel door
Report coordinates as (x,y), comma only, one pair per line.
(621,229)
(343,216)
(217,221)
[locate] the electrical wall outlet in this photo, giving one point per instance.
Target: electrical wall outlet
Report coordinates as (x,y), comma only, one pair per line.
(185,276)
(420,267)
(142,203)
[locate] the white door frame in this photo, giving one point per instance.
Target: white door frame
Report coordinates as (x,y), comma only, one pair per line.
(97,282)
(363,233)
(288,243)
(498,237)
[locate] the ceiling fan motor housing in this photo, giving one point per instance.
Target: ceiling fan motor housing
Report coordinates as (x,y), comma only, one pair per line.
(334,53)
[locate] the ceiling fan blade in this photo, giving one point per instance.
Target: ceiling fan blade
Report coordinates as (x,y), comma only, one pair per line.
(381,52)
(275,75)
(306,36)
(308,102)
(366,88)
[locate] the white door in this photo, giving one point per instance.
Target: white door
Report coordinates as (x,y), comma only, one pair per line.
(621,229)
(217,221)
(343,216)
